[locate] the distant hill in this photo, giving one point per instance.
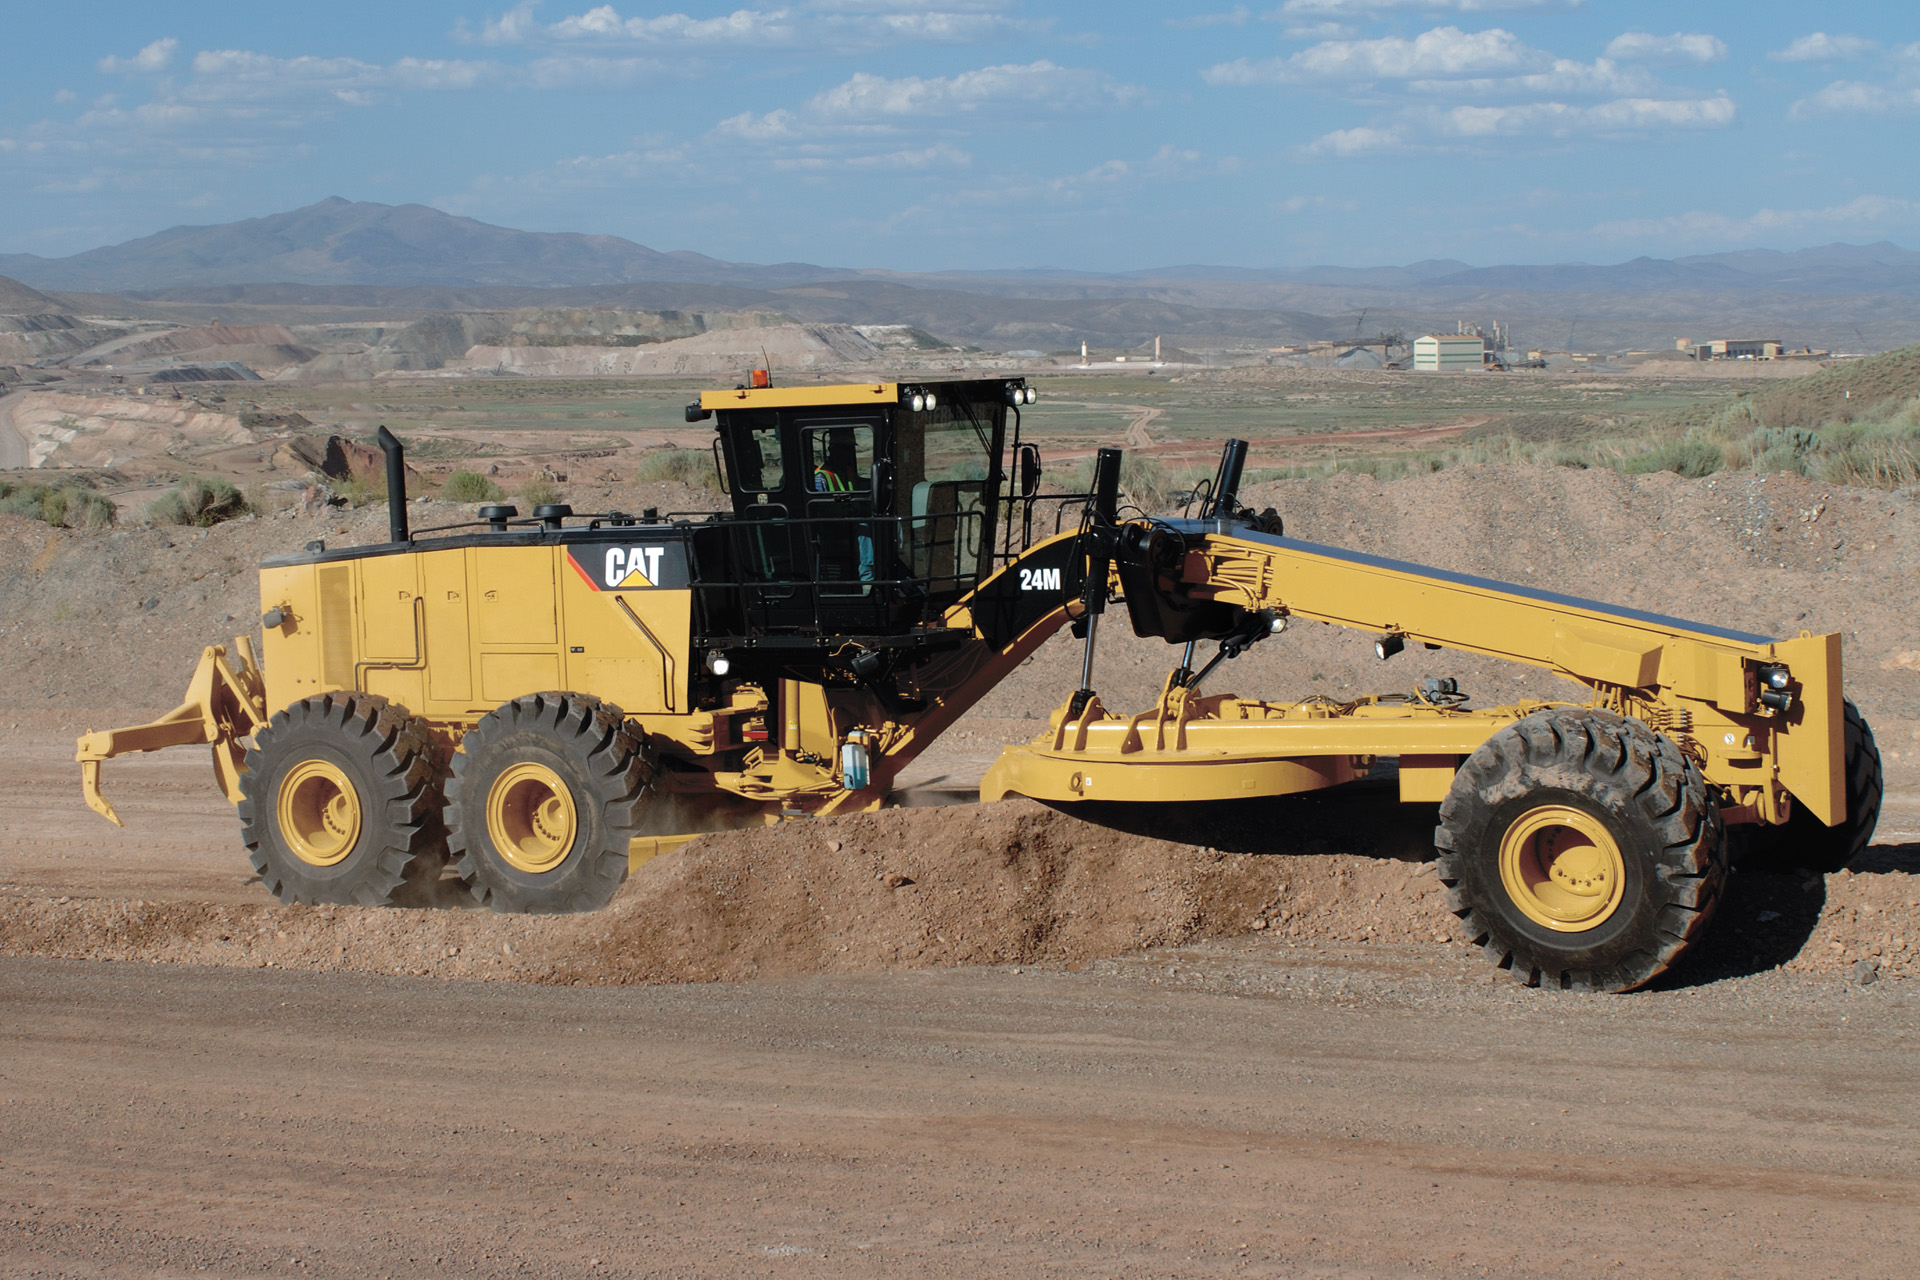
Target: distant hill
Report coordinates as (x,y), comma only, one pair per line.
(346,242)
(343,242)
(17,299)
(340,259)
(1829,269)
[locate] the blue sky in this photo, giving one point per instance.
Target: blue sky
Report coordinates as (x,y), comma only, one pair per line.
(975,134)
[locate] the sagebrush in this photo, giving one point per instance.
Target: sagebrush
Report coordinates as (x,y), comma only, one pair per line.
(470,486)
(65,506)
(200,501)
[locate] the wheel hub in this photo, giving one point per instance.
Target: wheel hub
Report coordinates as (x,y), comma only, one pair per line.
(1562,868)
(531,818)
(318,812)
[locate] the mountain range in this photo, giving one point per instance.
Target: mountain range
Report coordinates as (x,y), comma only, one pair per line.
(344,260)
(342,242)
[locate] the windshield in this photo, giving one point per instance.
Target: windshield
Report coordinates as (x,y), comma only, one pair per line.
(952,442)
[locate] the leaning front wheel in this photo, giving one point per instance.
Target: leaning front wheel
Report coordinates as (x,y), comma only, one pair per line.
(544,800)
(1581,850)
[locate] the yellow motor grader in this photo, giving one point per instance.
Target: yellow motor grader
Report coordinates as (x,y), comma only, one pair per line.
(542,699)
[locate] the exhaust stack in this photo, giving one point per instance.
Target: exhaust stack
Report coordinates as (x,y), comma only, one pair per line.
(396,485)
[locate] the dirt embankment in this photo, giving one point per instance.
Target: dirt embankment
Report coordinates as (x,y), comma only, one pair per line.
(54,429)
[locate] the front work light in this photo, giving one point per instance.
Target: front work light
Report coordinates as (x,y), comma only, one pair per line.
(1386,646)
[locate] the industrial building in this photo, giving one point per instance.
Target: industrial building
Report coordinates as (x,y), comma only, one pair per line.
(1731,348)
(1441,352)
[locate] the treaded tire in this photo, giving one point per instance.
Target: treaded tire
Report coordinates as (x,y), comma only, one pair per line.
(1805,841)
(391,759)
(605,765)
(1649,797)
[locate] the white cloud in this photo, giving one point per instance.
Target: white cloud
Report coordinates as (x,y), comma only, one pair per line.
(1603,76)
(1639,46)
(157,56)
(1821,47)
(1364,140)
(1862,213)
(775,126)
(909,160)
(1449,128)
(1362,8)
(1852,97)
(1558,119)
(937,27)
(1237,18)
(564,71)
(1168,164)
(229,75)
(740,26)
(842,24)
(1443,51)
(870,97)
(1319,31)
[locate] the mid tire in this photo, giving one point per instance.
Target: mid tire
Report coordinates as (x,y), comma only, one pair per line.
(1581,850)
(1804,840)
(546,795)
(341,803)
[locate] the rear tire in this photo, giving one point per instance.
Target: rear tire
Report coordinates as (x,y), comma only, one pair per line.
(1581,850)
(1804,840)
(546,795)
(341,801)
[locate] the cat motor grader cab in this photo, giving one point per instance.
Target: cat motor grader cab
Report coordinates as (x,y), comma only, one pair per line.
(545,700)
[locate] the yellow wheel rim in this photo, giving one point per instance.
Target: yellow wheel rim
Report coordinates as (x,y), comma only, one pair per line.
(319,813)
(1562,868)
(531,818)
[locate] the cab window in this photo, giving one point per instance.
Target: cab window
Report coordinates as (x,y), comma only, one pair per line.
(839,459)
(759,465)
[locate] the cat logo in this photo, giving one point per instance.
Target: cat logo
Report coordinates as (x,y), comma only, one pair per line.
(633,566)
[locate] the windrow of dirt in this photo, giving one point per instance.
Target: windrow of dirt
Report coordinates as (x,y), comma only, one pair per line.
(1005,884)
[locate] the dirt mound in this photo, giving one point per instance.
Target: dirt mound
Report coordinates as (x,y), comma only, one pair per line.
(719,352)
(907,888)
(210,339)
(1841,393)
(61,429)
(1004,884)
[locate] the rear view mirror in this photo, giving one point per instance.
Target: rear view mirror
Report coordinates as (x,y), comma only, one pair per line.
(1029,466)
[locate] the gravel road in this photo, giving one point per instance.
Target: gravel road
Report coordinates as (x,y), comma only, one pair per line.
(1137,1118)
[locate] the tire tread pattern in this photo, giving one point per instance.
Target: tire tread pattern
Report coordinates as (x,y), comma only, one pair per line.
(619,770)
(1622,765)
(404,759)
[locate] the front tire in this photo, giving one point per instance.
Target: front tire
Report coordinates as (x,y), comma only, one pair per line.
(1804,840)
(545,797)
(341,801)
(1581,850)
